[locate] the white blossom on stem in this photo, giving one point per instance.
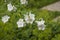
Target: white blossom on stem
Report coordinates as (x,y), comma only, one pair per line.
(20,23)
(5,18)
(29,18)
(41,25)
(11,7)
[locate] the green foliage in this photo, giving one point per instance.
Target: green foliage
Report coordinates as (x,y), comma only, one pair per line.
(40,3)
(10,31)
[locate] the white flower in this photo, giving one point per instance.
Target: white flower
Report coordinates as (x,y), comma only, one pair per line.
(5,18)
(20,23)
(29,18)
(41,25)
(23,1)
(11,7)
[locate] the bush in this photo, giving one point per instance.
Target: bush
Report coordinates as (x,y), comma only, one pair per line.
(10,31)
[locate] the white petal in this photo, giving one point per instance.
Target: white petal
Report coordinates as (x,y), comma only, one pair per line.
(42,21)
(39,28)
(32,16)
(26,18)
(23,1)
(43,27)
(14,8)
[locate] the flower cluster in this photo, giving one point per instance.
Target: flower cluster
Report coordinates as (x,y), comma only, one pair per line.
(29,19)
(12,7)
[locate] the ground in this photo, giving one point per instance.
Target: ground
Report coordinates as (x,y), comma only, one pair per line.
(53,7)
